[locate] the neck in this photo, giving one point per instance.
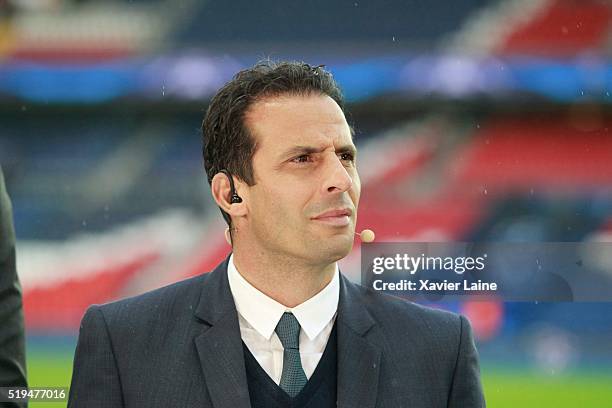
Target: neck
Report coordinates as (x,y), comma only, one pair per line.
(287,280)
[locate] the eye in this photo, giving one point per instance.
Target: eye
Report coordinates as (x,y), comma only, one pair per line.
(305,158)
(347,156)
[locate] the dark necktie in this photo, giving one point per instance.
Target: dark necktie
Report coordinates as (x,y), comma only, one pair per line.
(293,378)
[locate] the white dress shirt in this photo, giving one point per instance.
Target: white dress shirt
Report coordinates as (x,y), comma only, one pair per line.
(258,315)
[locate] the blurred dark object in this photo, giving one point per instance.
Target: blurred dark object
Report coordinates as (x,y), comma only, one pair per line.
(12,339)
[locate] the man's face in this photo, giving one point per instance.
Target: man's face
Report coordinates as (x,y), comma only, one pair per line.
(304,201)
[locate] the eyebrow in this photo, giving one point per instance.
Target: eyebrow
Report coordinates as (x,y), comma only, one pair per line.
(299,150)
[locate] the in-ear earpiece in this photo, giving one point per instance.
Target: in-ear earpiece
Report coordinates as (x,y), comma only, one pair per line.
(234,197)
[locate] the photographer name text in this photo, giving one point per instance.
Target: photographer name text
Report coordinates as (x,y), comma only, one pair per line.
(426,285)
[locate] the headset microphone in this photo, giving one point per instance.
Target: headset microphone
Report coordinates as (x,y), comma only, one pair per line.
(367,235)
(228,236)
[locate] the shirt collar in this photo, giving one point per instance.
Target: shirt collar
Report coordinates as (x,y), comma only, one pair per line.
(263,313)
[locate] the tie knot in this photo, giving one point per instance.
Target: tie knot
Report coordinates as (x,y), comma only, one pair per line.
(288,331)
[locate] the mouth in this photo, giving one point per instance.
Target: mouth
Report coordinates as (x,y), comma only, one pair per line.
(338,217)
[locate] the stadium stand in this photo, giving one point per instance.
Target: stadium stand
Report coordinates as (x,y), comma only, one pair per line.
(564,28)
(459,137)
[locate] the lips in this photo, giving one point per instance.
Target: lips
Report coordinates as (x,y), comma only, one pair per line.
(334,213)
(337,217)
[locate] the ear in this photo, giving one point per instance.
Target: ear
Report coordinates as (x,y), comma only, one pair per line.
(221,192)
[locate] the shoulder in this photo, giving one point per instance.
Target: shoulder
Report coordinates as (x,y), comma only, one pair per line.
(404,318)
(154,306)
(414,337)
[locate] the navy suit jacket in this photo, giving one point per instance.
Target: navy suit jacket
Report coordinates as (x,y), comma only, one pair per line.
(180,346)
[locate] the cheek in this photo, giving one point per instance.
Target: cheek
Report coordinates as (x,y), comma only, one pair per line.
(262,203)
(356,189)
(275,202)
(288,200)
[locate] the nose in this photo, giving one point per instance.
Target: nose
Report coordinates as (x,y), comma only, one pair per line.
(337,178)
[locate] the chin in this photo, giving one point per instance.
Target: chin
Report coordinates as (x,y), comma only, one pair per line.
(334,248)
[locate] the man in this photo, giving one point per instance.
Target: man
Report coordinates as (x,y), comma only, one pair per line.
(12,343)
(276,324)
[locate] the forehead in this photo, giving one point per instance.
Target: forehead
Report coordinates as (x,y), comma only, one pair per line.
(280,121)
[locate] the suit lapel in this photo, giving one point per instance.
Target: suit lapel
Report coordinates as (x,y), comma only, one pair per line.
(358,359)
(221,354)
(219,347)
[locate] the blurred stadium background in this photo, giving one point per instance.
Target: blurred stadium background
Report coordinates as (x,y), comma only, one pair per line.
(476,120)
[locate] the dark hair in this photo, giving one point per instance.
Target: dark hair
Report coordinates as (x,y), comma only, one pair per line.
(227,142)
